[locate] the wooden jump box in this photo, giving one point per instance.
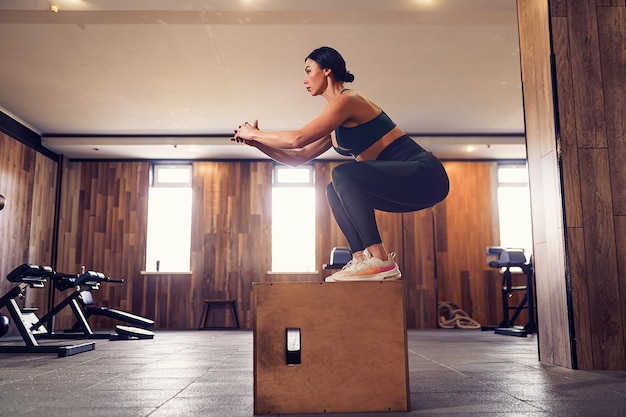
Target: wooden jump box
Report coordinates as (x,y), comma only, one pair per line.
(330,347)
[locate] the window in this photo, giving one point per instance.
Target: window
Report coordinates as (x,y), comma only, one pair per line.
(514,207)
(168,247)
(293,219)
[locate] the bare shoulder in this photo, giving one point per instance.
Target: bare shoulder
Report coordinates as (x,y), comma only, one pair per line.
(362,109)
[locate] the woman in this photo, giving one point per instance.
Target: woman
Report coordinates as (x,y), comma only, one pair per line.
(390,172)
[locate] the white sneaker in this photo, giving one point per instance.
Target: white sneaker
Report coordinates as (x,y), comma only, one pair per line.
(331,278)
(368,268)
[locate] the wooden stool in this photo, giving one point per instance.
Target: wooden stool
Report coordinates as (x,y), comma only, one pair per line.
(227,304)
(330,347)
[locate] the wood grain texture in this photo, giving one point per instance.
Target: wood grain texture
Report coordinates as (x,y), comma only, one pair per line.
(620,235)
(612,39)
(344,328)
(586,73)
(588,150)
(17,186)
(493,310)
(470,226)
(601,261)
(545,187)
(231,237)
(558,8)
(567,134)
(418,269)
(607,3)
(102,226)
(597,58)
(580,297)
(28,182)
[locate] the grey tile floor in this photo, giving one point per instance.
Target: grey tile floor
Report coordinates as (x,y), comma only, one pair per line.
(209,373)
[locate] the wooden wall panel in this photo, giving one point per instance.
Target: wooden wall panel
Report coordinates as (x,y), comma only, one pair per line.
(594,63)
(545,187)
(231,237)
(471,225)
(418,269)
(44,208)
(580,297)
(587,132)
(617,3)
(620,235)
(600,256)
(42,222)
(28,182)
(586,73)
(612,38)
(558,8)
(493,311)
(102,226)
(16,184)
(569,148)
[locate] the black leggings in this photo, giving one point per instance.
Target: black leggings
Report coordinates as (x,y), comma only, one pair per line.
(404,178)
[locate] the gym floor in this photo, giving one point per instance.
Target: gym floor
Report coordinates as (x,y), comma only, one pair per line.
(209,373)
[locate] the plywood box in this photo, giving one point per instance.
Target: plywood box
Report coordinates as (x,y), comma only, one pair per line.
(351,353)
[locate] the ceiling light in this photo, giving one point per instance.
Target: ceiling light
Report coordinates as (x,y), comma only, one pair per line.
(54,8)
(469,148)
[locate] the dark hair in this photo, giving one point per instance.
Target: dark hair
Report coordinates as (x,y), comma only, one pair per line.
(328,58)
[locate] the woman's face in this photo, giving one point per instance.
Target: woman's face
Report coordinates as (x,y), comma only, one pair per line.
(314,77)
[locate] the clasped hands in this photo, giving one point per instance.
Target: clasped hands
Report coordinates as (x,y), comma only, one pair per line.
(243,134)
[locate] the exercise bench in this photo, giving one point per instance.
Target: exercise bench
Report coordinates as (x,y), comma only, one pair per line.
(80,301)
(33,276)
(498,257)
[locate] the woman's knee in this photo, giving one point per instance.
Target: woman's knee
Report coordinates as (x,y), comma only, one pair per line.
(340,175)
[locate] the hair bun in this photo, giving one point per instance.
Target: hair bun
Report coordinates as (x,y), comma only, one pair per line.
(328,58)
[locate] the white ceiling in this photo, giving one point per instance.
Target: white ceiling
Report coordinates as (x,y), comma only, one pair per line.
(168,79)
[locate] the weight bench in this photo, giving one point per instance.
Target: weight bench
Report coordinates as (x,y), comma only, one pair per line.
(119,315)
(33,276)
(80,301)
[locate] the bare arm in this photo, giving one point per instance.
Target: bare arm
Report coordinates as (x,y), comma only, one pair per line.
(333,115)
(297,156)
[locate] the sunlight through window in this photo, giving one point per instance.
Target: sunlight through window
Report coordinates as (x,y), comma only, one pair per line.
(293,220)
(168,246)
(514,208)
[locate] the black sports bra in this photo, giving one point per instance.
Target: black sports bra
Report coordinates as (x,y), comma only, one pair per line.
(351,141)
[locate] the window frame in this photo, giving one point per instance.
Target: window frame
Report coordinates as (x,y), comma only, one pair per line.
(307,183)
(525,184)
(154,182)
